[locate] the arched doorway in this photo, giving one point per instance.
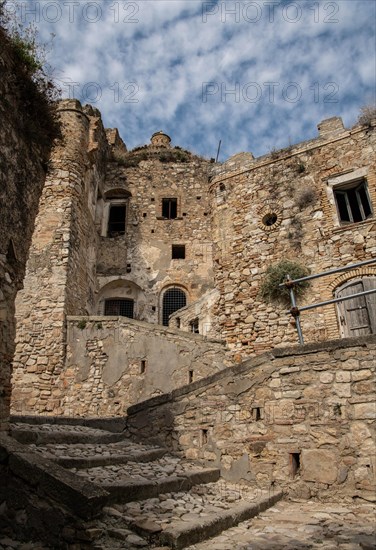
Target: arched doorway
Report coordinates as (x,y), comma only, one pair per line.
(357,316)
(173,299)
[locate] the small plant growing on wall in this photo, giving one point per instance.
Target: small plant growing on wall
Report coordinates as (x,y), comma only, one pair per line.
(305,197)
(276,274)
(81,324)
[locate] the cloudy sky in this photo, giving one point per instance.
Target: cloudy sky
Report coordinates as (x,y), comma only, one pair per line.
(258,75)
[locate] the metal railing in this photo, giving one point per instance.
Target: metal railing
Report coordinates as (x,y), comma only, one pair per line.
(295,310)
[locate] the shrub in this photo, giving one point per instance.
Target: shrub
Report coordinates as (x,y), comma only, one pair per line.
(305,197)
(367,115)
(276,274)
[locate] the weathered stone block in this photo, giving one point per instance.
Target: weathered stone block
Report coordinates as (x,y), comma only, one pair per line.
(319,465)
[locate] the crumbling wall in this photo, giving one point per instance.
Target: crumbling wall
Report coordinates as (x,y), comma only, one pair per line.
(303,420)
(281,206)
(142,256)
(114,362)
(23,156)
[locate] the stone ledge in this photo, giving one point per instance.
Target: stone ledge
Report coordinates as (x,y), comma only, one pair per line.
(80,496)
(234,371)
(328,345)
(127,322)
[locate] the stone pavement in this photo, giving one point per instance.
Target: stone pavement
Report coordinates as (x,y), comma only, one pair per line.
(177,504)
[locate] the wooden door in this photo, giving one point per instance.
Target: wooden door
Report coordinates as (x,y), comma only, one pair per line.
(357,316)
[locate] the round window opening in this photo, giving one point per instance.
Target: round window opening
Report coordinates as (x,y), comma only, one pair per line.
(270,219)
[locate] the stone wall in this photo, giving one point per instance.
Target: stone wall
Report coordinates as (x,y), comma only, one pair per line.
(60,277)
(114,362)
(282,206)
(22,174)
(198,316)
(141,258)
(301,419)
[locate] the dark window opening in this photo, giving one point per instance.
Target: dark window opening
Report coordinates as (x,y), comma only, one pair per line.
(129,268)
(116,220)
(173,299)
(178,322)
(194,326)
(144,215)
(204,436)
(178,252)
(190,377)
(170,208)
(256,411)
(294,464)
(122,307)
(269,219)
(143,366)
(353,203)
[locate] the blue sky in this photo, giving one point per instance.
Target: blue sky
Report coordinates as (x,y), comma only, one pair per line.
(258,75)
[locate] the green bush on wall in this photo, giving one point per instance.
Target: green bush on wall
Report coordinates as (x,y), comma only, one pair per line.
(276,274)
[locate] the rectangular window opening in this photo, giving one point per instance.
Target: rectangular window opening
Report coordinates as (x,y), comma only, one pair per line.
(143,366)
(170,208)
(178,252)
(256,413)
(116,220)
(204,436)
(353,202)
(194,326)
(190,377)
(294,464)
(121,307)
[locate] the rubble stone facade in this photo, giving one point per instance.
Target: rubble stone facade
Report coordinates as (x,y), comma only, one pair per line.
(300,204)
(302,421)
(132,233)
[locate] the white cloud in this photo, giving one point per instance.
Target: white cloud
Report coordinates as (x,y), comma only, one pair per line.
(160,52)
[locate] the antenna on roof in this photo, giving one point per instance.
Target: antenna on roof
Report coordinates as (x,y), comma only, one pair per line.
(219,148)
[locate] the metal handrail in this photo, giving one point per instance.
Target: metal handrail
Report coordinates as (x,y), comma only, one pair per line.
(295,310)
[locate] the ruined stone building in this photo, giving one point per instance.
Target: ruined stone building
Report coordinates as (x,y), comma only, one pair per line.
(129,242)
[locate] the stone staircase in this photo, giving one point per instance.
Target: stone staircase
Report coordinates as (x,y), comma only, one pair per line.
(154,500)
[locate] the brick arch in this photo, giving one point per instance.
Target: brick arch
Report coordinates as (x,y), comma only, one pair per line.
(366,271)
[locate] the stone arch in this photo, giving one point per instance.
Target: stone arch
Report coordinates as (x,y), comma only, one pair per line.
(125,293)
(172,298)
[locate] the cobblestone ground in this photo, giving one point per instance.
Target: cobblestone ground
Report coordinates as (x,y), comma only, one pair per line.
(287,525)
(302,525)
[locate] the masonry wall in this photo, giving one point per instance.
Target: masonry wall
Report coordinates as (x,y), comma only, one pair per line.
(23,156)
(303,420)
(142,257)
(60,277)
(281,206)
(114,362)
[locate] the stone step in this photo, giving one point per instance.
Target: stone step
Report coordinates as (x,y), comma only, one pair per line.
(50,433)
(133,490)
(178,520)
(98,461)
(183,534)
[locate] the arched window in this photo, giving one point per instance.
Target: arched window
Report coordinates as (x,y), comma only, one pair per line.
(173,299)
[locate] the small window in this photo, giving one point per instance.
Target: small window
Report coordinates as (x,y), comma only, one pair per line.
(121,307)
(194,326)
(116,220)
(294,464)
(170,208)
(178,252)
(353,203)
